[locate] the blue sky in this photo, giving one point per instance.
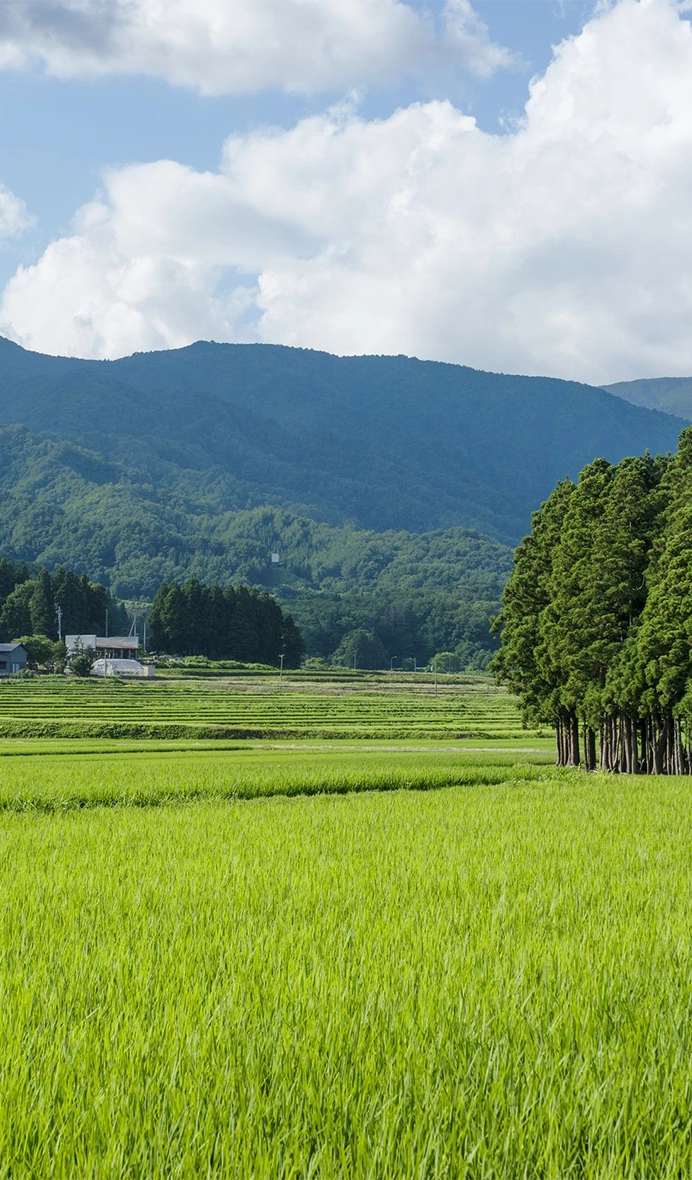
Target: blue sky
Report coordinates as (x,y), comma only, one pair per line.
(428,236)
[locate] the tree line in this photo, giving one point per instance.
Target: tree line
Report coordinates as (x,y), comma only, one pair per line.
(596,623)
(28,602)
(236,623)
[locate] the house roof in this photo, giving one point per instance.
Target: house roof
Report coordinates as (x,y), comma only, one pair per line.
(11,646)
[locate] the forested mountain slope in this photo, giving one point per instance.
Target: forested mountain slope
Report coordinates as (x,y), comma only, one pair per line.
(672,395)
(142,459)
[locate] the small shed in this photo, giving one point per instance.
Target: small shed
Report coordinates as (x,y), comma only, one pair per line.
(12,658)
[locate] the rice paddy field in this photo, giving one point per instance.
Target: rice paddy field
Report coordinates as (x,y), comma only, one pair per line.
(367,707)
(333,951)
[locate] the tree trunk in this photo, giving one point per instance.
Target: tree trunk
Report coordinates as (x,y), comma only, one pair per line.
(604,748)
(668,749)
(659,745)
(574,756)
(559,742)
(589,748)
(643,739)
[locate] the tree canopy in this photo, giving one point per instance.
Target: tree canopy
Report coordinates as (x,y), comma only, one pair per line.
(236,623)
(596,623)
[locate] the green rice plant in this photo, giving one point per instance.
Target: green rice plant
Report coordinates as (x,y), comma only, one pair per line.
(256,709)
(487,981)
(152,778)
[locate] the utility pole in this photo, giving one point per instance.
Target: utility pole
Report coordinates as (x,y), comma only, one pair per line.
(415,665)
(281,671)
(391,663)
(355,659)
(106,622)
(58,611)
(435,666)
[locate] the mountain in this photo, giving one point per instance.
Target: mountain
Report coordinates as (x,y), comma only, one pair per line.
(135,469)
(672,395)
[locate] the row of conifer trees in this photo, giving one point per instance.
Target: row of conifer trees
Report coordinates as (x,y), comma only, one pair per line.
(596,624)
(234,622)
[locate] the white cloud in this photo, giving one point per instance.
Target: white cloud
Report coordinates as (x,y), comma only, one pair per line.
(238,46)
(13,214)
(466,33)
(564,247)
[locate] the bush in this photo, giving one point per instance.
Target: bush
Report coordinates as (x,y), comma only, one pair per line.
(82,662)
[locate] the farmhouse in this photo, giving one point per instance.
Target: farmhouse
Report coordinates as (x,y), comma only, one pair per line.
(109,647)
(12,658)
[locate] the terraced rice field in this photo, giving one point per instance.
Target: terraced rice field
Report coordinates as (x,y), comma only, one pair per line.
(364,709)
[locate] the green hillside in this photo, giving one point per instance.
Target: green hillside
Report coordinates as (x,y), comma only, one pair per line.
(672,395)
(376,442)
(391,488)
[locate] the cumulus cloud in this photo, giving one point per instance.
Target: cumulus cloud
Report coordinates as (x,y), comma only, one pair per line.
(238,46)
(13,214)
(564,247)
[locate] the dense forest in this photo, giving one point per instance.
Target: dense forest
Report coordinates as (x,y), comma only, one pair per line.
(671,395)
(390,488)
(596,623)
(28,601)
(235,623)
(133,470)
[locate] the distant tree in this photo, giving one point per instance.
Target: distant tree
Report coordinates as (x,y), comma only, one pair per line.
(360,649)
(15,617)
(42,607)
(158,628)
(292,645)
(8,579)
(82,662)
(40,650)
(446,661)
(59,655)
(171,620)
(71,595)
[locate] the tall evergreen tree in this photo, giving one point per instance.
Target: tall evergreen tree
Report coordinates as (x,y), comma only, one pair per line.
(524,663)
(15,616)
(42,607)
(663,654)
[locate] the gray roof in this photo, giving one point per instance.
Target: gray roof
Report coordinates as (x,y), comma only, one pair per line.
(10,646)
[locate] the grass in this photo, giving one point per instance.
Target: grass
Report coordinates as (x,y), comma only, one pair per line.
(486,981)
(30,782)
(253,959)
(249,707)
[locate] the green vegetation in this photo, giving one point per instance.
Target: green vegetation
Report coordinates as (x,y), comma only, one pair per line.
(405,627)
(249,706)
(368,476)
(28,602)
(342,924)
(134,470)
(490,980)
(597,616)
(672,395)
(62,779)
(235,623)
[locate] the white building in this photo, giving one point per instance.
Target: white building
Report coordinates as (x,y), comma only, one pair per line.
(112,647)
(116,655)
(127,668)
